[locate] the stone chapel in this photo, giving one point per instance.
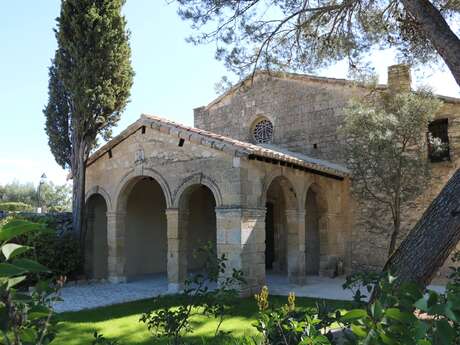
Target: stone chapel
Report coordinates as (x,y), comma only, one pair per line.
(261,176)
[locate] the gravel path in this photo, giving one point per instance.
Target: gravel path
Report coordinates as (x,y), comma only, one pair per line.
(88,296)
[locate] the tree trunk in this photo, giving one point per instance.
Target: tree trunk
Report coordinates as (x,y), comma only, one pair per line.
(394,237)
(438,32)
(429,243)
(78,197)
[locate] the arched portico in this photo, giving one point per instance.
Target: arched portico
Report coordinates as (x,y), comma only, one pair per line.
(316,230)
(95,236)
(137,235)
(283,251)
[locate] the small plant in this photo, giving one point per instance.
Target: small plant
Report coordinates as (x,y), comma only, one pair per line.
(286,326)
(174,322)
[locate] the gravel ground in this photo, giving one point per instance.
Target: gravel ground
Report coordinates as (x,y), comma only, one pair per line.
(93,295)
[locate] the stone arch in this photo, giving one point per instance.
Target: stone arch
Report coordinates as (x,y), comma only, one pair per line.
(197,223)
(129,180)
(99,190)
(198,179)
(95,235)
(289,190)
(280,200)
(316,229)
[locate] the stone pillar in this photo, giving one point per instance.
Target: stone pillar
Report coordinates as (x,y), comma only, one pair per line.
(116,261)
(241,237)
(89,244)
(177,250)
(295,221)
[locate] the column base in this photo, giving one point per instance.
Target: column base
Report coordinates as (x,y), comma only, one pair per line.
(298,280)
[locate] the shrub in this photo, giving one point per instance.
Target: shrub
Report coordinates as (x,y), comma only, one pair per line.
(25,319)
(15,207)
(60,252)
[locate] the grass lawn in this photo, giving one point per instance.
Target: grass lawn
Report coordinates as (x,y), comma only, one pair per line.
(122,321)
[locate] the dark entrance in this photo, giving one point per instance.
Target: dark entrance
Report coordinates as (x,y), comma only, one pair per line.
(269,237)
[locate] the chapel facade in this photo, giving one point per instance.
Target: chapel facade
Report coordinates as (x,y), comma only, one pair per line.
(261,176)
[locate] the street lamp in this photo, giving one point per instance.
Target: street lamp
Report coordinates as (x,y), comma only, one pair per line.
(42,181)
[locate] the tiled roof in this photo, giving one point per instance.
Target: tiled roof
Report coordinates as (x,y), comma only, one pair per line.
(267,153)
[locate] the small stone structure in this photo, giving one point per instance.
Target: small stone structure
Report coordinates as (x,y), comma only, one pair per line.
(261,176)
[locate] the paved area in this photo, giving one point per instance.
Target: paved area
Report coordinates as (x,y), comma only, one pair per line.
(79,297)
(88,296)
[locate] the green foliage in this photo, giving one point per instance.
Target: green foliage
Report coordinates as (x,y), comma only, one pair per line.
(15,207)
(54,198)
(174,323)
(25,319)
(386,149)
(60,252)
(286,325)
(308,35)
(90,78)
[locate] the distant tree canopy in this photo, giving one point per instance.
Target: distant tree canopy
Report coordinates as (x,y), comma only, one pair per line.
(89,85)
(52,196)
(305,35)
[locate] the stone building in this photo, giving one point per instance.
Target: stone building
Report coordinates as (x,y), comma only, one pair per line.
(261,176)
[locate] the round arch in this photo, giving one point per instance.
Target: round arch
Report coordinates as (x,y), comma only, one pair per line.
(197,179)
(288,188)
(130,179)
(99,190)
(320,194)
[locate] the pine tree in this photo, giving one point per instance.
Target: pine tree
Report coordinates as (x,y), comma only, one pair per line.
(89,85)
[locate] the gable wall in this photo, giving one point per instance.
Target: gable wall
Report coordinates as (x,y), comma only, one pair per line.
(303,114)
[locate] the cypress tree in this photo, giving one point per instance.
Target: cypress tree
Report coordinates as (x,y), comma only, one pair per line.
(89,85)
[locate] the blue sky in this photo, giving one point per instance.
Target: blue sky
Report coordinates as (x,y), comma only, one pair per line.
(172,77)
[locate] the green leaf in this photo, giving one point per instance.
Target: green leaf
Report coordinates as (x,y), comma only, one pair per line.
(10,250)
(376,310)
(359,331)
(19,227)
(9,270)
(12,282)
(398,315)
(30,265)
(354,315)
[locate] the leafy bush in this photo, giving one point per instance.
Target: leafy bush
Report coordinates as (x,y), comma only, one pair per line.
(60,252)
(174,323)
(15,207)
(25,319)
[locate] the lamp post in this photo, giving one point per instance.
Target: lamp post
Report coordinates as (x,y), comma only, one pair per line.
(42,181)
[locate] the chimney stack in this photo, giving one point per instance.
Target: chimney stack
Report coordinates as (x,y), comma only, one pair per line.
(399,78)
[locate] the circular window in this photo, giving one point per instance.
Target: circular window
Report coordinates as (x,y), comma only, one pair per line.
(263,131)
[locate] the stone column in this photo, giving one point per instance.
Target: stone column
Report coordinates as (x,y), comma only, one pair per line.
(295,221)
(116,261)
(89,244)
(241,237)
(177,250)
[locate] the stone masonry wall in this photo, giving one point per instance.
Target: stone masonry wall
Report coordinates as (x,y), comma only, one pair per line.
(306,112)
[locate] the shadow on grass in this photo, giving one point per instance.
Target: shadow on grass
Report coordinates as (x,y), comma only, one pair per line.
(121,321)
